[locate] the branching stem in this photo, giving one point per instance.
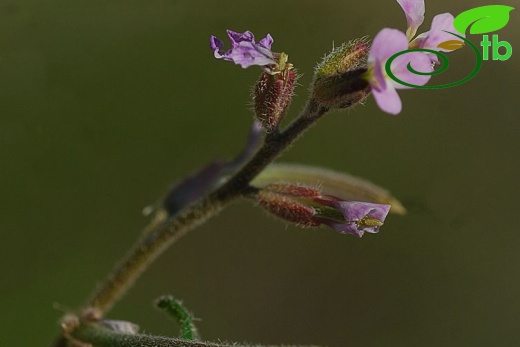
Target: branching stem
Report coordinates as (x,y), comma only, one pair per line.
(168,230)
(164,230)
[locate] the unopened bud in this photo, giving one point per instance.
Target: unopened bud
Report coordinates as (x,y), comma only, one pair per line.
(295,190)
(287,208)
(273,93)
(339,79)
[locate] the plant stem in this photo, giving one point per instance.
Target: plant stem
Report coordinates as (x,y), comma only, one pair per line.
(102,337)
(147,249)
(170,229)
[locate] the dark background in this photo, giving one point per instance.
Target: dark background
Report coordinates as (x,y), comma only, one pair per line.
(104,104)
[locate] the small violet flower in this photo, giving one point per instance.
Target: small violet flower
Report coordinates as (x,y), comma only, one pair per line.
(391,41)
(307,206)
(387,43)
(360,217)
(244,51)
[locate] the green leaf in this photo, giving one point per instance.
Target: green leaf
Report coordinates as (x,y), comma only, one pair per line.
(483,20)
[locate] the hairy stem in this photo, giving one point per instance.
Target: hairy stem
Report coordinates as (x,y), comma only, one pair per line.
(148,248)
(102,337)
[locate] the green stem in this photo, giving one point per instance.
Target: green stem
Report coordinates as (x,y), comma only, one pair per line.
(148,248)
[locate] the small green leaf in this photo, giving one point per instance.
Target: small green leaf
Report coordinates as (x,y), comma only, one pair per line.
(451,45)
(184,318)
(483,19)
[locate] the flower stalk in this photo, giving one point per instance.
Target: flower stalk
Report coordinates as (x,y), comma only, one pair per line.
(169,229)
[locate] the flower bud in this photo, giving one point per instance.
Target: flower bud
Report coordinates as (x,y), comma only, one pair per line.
(273,93)
(287,208)
(339,79)
(306,206)
(299,191)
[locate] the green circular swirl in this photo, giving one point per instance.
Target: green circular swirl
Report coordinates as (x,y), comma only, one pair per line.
(445,64)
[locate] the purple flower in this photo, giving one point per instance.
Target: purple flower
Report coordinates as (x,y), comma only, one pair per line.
(359,217)
(414,12)
(437,35)
(391,41)
(306,206)
(387,43)
(244,51)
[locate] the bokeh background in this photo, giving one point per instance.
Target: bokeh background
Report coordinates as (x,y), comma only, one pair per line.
(103,105)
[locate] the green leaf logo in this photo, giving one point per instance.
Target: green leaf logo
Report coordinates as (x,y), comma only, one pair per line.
(483,20)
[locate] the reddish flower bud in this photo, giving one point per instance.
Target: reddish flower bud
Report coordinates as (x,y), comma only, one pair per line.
(300,191)
(273,93)
(287,208)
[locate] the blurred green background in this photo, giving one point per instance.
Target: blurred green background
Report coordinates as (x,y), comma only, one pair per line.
(103,105)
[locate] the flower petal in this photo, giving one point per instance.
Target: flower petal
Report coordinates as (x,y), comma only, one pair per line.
(236,38)
(379,211)
(414,12)
(216,44)
(266,42)
(386,43)
(436,35)
(360,217)
(244,51)
(346,228)
(247,54)
(388,100)
(379,76)
(418,61)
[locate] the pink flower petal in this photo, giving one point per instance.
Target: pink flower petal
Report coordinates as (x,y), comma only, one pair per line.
(388,100)
(418,61)
(414,12)
(436,35)
(387,43)
(379,74)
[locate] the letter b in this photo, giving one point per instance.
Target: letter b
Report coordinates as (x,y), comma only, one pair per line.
(497,44)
